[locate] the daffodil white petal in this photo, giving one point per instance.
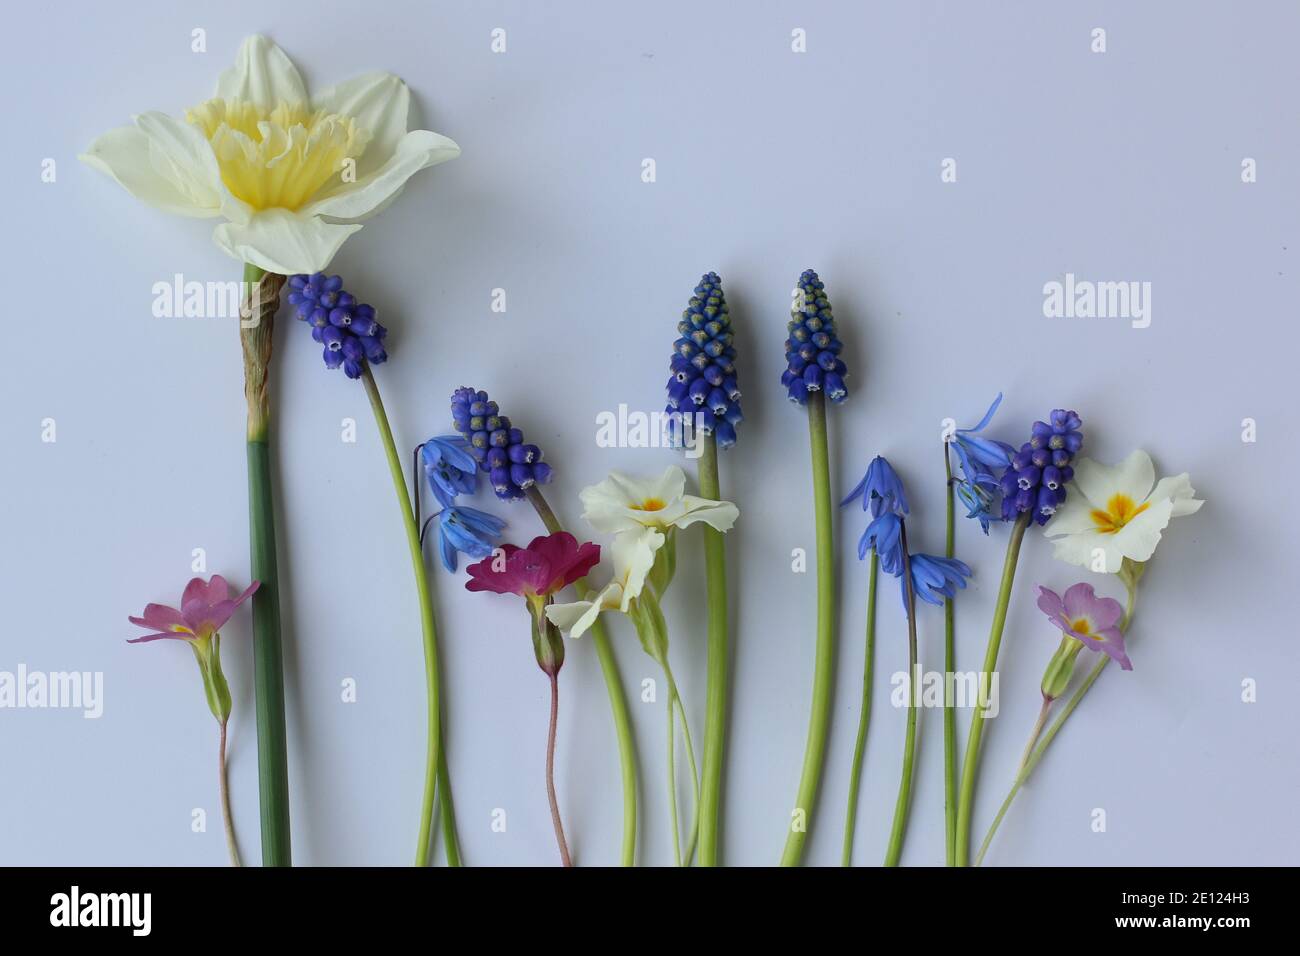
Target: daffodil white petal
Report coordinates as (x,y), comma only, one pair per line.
(281,241)
(1179,490)
(417,150)
(263,74)
(127,155)
(1133,477)
(380,103)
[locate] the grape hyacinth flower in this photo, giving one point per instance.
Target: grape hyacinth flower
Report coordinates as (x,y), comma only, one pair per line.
(513,466)
(812,350)
(703,364)
(703,384)
(815,372)
(1035,479)
(205,608)
(549,564)
(354,340)
(347,329)
(1033,488)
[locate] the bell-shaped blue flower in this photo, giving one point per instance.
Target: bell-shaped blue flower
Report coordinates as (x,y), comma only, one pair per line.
(880,489)
(980,459)
(935,579)
(884,534)
(450,467)
(466,531)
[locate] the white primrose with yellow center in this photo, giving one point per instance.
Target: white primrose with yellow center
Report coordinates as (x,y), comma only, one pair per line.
(622,503)
(293,175)
(1118,511)
(633,554)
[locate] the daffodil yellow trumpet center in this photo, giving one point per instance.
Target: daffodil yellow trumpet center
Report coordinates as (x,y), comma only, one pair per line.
(281,157)
(1120,510)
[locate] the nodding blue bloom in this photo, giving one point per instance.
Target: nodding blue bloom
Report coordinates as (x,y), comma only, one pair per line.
(812,351)
(978,456)
(347,328)
(703,365)
(466,531)
(450,468)
(884,534)
(513,466)
(880,489)
(935,579)
(1034,482)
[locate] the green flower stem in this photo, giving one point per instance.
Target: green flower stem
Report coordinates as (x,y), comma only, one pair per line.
(824,667)
(950,668)
(895,849)
(1029,764)
(966,794)
(226,817)
(433,740)
(256,326)
(864,715)
(694,833)
(715,704)
(550,772)
(672,786)
(617,700)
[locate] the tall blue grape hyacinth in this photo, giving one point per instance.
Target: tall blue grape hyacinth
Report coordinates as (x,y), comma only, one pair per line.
(1035,480)
(513,466)
(703,365)
(345,327)
(812,350)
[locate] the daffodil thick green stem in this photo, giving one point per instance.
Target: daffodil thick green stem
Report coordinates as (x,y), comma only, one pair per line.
(715,705)
(617,699)
(864,715)
(435,763)
(1034,756)
(966,795)
(801,816)
(256,326)
(950,668)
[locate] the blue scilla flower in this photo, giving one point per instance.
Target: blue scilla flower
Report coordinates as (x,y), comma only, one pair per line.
(703,365)
(513,466)
(466,531)
(812,351)
(934,579)
(885,535)
(980,459)
(880,489)
(1034,482)
(345,327)
(450,467)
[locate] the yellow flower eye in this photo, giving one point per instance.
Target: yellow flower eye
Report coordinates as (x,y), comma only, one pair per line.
(1120,510)
(650,504)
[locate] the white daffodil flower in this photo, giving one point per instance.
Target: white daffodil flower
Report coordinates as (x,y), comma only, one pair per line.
(294,175)
(633,555)
(621,503)
(1115,512)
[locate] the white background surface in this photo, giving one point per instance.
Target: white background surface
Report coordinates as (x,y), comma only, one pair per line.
(1116,166)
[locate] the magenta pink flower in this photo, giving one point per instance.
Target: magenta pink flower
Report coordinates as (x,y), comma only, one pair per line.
(1091,620)
(548,564)
(205,608)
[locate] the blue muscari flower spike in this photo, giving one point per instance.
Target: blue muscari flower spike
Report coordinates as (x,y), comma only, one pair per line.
(1034,482)
(345,327)
(934,578)
(703,366)
(880,489)
(466,531)
(450,468)
(812,351)
(513,466)
(978,456)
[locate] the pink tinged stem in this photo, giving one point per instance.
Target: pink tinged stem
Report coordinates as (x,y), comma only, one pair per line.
(550,772)
(226,817)
(1038,732)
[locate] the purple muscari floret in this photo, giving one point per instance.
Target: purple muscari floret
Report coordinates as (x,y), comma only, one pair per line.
(513,466)
(812,351)
(345,327)
(1036,477)
(703,366)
